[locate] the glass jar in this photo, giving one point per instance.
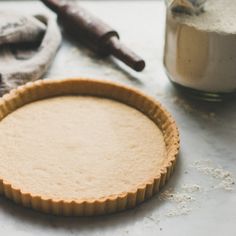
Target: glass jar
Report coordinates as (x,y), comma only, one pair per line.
(199,54)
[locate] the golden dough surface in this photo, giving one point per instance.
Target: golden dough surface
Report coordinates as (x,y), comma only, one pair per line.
(75,147)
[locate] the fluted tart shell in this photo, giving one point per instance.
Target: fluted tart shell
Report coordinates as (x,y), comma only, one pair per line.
(103,93)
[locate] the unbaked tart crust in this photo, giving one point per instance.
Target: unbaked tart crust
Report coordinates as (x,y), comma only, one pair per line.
(83,146)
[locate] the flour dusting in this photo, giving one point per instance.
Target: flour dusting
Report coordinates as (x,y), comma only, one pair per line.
(191,188)
(182,200)
(225,179)
(211,116)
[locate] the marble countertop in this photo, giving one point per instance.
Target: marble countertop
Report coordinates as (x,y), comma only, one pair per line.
(200,198)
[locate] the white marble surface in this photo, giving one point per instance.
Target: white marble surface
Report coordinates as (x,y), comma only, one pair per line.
(204,197)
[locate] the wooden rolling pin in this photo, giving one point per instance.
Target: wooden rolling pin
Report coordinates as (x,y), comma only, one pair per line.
(93,32)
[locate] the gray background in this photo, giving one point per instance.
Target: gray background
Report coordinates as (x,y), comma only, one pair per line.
(208,134)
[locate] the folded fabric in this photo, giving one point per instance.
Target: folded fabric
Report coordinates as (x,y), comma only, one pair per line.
(28,45)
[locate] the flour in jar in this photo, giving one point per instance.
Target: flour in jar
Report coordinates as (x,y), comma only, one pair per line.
(200,49)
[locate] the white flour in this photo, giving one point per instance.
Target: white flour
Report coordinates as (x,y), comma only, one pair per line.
(218,16)
(224,179)
(200,50)
(191,109)
(182,200)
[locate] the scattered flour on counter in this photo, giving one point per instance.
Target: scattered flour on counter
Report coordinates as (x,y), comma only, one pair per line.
(182,200)
(225,179)
(181,102)
(191,188)
(180,210)
(191,108)
(177,197)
